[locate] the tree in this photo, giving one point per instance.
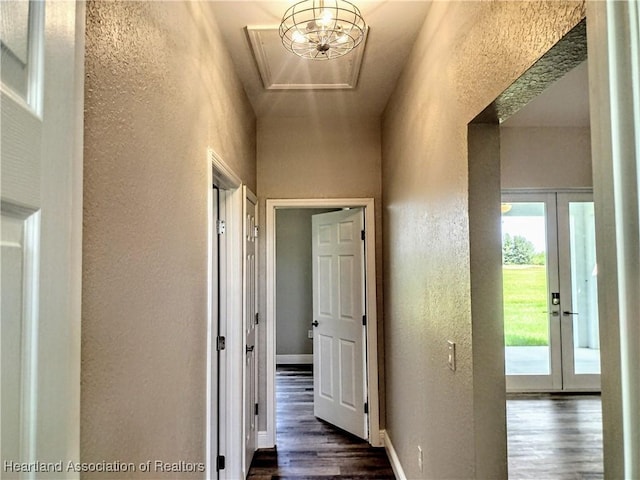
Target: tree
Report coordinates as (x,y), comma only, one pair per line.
(517,250)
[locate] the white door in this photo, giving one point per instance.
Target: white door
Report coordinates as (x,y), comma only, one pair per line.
(41,232)
(579,322)
(338,320)
(550,292)
(250,320)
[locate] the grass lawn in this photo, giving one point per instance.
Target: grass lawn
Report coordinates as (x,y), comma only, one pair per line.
(525,305)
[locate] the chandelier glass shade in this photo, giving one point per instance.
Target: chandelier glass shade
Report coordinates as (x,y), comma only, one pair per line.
(322,29)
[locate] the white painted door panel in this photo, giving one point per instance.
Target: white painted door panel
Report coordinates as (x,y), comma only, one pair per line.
(250,302)
(338,305)
(41,192)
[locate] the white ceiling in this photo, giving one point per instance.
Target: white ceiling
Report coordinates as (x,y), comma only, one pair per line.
(394,25)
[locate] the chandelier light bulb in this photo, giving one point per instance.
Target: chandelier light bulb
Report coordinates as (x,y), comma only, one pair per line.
(298,37)
(322,29)
(326,19)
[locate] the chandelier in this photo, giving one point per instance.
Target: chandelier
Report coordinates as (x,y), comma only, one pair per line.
(322,29)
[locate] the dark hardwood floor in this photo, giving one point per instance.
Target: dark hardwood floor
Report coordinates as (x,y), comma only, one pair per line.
(555,437)
(308,448)
(550,437)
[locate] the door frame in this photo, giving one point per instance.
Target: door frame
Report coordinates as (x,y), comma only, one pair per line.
(231,297)
(371,367)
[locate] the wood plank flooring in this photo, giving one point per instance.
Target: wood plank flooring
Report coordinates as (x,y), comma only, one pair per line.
(550,437)
(308,448)
(555,437)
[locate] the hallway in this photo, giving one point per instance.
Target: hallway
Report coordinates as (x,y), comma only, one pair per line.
(554,437)
(310,448)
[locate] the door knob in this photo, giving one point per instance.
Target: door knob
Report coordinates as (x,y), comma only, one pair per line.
(315,323)
(566,313)
(250,348)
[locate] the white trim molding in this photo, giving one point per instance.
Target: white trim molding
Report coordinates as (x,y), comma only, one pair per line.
(263,440)
(372,315)
(231,308)
(613,36)
(393,456)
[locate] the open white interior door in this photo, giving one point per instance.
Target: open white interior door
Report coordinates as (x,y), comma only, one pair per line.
(41,189)
(338,320)
(250,302)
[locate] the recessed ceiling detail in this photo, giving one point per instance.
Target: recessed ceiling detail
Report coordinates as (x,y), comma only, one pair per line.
(280,70)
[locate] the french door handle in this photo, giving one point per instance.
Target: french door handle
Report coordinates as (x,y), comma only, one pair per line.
(315,323)
(566,313)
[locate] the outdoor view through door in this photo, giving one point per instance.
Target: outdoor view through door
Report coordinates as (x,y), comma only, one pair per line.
(550,292)
(338,314)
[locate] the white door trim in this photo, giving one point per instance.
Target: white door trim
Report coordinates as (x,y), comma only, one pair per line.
(613,39)
(219,174)
(372,316)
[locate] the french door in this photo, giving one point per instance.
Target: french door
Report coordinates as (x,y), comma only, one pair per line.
(550,292)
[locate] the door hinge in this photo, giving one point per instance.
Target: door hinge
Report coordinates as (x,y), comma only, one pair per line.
(366,407)
(220,226)
(255,410)
(362,234)
(364,319)
(257,318)
(221,343)
(255,231)
(220,462)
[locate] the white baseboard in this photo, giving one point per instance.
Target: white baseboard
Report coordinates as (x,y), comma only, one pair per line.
(294,359)
(393,457)
(263,440)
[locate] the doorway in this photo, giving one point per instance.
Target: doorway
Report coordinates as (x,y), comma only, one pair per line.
(231,426)
(370,373)
(550,292)
(320,302)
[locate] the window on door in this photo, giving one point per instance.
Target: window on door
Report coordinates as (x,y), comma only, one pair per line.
(550,292)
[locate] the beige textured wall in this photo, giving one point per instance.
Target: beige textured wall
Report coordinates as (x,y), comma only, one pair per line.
(160,89)
(294,285)
(319,158)
(466,54)
(539,157)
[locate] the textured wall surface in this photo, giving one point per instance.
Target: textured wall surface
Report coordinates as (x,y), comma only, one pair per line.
(545,157)
(294,292)
(309,159)
(294,285)
(466,54)
(160,89)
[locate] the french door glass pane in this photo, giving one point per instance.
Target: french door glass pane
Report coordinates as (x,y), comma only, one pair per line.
(584,293)
(525,288)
